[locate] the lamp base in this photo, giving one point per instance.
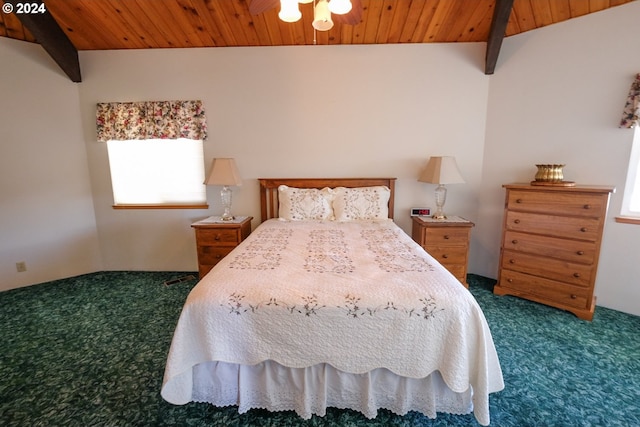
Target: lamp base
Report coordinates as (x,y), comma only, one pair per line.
(441,197)
(225,197)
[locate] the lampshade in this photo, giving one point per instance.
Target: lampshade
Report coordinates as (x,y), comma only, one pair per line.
(442,170)
(223,172)
(340,7)
(322,16)
(305,1)
(289,11)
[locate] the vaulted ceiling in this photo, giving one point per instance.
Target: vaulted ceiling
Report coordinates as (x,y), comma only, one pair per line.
(64,27)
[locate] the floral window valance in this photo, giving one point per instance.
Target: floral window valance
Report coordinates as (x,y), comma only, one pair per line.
(151,120)
(631,115)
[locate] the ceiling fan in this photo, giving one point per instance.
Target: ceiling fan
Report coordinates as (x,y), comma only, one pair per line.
(325,12)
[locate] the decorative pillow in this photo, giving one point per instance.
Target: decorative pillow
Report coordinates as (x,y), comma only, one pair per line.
(361,203)
(298,204)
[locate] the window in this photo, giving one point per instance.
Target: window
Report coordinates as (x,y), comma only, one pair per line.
(159,173)
(631,197)
(155,152)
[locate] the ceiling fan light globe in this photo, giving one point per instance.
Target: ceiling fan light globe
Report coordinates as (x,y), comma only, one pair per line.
(340,7)
(322,16)
(322,25)
(289,11)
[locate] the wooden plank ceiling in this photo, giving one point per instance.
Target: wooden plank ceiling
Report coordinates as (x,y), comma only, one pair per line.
(151,24)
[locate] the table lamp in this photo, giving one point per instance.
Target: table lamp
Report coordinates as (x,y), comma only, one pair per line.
(441,170)
(224,172)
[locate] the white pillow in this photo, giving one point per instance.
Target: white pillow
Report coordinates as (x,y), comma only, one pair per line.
(298,204)
(351,204)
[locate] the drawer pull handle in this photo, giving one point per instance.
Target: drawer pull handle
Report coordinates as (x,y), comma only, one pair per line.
(217,237)
(573,296)
(218,256)
(587,206)
(517,221)
(580,252)
(583,229)
(512,261)
(446,237)
(510,280)
(518,200)
(576,275)
(445,256)
(514,241)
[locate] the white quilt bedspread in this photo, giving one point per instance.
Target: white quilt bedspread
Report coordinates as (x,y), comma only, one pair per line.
(357,295)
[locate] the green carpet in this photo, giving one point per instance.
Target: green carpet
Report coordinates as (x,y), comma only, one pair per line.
(90,351)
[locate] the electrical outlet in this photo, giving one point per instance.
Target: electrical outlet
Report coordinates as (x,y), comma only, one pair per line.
(21,266)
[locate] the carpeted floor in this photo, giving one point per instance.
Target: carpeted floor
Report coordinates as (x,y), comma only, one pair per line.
(90,351)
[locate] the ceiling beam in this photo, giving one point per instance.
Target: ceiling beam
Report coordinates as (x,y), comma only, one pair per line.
(49,35)
(499,22)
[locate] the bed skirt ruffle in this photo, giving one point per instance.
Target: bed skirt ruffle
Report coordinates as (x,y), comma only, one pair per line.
(310,391)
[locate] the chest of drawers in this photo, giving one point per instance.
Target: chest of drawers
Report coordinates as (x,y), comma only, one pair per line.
(550,245)
(447,241)
(214,240)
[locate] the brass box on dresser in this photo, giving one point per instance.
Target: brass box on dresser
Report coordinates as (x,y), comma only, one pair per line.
(447,241)
(550,244)
(215,239)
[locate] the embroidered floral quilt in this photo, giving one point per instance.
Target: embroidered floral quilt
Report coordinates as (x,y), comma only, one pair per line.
(357,295)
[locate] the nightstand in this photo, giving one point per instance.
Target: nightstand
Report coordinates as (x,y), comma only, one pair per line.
(447,240)
(216,238)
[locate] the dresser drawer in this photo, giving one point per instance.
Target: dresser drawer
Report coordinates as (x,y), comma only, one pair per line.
(582,252)
(218,236)
(445,236)
(448,255)
(562,203)
(568,272)
(556,226)
(545,289)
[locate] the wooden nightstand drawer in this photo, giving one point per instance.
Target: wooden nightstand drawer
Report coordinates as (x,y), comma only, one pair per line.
(218,236)
(448,255)
(211,255)
(459,271)
(447,236)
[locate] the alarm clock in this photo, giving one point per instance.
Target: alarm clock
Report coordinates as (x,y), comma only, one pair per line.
(420,211)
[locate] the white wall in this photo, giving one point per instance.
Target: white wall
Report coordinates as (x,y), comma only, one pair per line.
(313,111)
(46,207)
(557,97)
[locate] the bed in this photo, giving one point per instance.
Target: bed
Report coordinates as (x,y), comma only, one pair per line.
(328,303)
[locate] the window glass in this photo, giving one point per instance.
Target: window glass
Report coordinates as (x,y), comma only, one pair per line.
(631,198)
(157,172)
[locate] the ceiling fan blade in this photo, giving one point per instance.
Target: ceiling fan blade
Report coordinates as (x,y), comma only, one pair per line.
(353,17)
(256,7)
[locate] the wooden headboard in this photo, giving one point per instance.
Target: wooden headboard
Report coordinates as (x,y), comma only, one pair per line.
(269,189)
